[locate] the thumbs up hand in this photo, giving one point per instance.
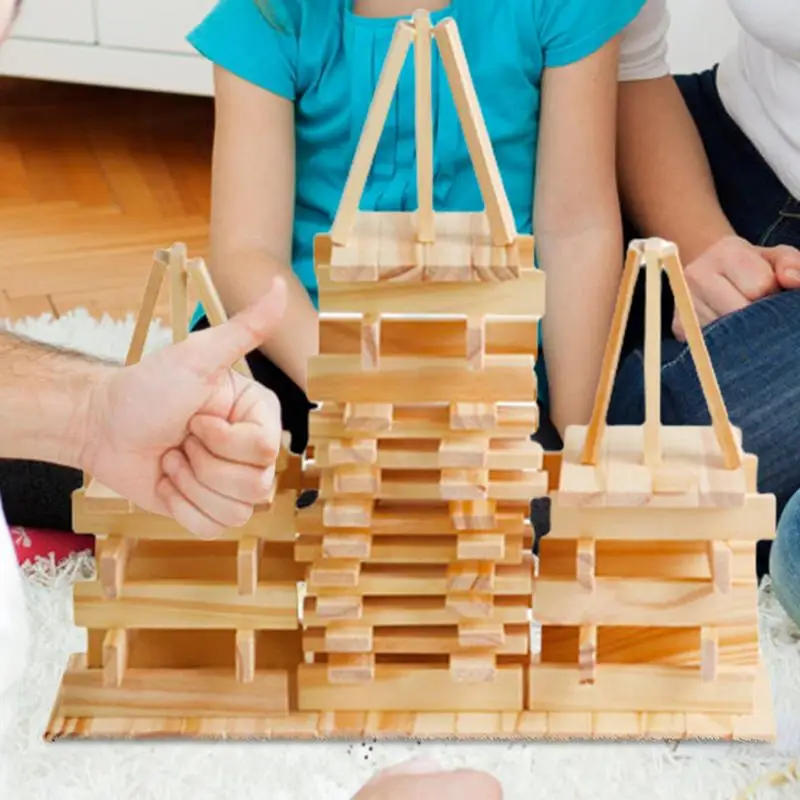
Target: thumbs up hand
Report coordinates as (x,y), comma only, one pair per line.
(184,435)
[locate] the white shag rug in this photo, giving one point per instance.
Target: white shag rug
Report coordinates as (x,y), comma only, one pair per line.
(73,770)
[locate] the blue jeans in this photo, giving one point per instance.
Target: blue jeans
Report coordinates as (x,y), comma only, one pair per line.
(785,559)
(756,351)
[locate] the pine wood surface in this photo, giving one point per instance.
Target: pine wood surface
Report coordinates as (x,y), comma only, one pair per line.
(92,181)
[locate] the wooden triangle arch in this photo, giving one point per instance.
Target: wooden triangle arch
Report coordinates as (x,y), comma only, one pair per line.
(181,271)
(173,262)
(419,32)
(657,255)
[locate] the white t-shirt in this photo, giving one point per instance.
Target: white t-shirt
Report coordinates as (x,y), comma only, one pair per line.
(14,630)
(758,83)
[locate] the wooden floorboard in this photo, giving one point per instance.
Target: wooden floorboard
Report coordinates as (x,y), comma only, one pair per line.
(94,180)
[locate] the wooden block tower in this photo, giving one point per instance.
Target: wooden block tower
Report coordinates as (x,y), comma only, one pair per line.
(178,626)
(419,550)
(647,590)
(404,596)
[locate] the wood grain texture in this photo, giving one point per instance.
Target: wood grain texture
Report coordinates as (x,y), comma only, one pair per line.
(93,181)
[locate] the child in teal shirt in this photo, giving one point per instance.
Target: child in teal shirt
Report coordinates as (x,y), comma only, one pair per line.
(294,81)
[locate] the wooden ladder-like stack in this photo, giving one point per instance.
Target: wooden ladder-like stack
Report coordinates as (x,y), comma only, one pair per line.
(419,550)
(646,591)
(177,625)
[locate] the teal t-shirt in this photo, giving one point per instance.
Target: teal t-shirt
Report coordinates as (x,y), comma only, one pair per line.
(327,60)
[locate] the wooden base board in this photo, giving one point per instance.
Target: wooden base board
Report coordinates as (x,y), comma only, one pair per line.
(511,726)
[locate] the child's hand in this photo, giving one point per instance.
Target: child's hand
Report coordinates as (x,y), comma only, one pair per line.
(731,275)
(424,779)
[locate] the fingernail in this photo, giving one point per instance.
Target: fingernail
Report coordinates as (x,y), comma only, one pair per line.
(793,275)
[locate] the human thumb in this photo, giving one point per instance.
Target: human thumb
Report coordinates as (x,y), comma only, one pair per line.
(785,260)
(223,345)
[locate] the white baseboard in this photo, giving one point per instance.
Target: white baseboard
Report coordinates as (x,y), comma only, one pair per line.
(107,66)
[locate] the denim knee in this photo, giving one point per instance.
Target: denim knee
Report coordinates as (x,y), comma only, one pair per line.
(785,559)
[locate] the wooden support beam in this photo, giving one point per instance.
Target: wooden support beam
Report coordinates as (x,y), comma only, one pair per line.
(473,667)
(587,653)
(369,417)
(476,634)
(351,667)
(245,656)
(347,546)
(113,562)
(348,637)
(339,607)
(709,653)
(476,342)
(481,547)
(586,561)
(473,416)
(470,605)
(334,573)
(720,558)
(474,515)
(370,341)
(357,479)
(248,557)
(471,576)
(179,295)
(147,308)
(424,125)
(116,648)
(347,513)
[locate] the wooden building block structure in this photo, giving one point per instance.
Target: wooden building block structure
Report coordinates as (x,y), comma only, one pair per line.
(400,603)
(175,623)
(419,550)
(647,592)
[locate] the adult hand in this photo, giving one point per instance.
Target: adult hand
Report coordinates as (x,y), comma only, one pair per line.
(182,434)
(424,779)
(728,277)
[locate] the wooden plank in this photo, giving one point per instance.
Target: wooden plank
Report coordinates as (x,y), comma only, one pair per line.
(424,125)
(399,519)
(175,693)
(642,689)
(397,688)
(379,611)
(340,637)
(511,420)
(428,579)
(400,485)
(245,656)
(754,521)
(523,298)
(116,647)
(349,668)
(187,604)
(635,559)
(498,209)
(421,380)
(275,524)
(112,564)
(643,602)
(416,640)
(248,557)
(434,336)
(738,645)
(455,452)
(371,133)
(413,549)
(622,478)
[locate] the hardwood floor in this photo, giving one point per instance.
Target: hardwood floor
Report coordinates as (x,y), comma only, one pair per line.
(92,181)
